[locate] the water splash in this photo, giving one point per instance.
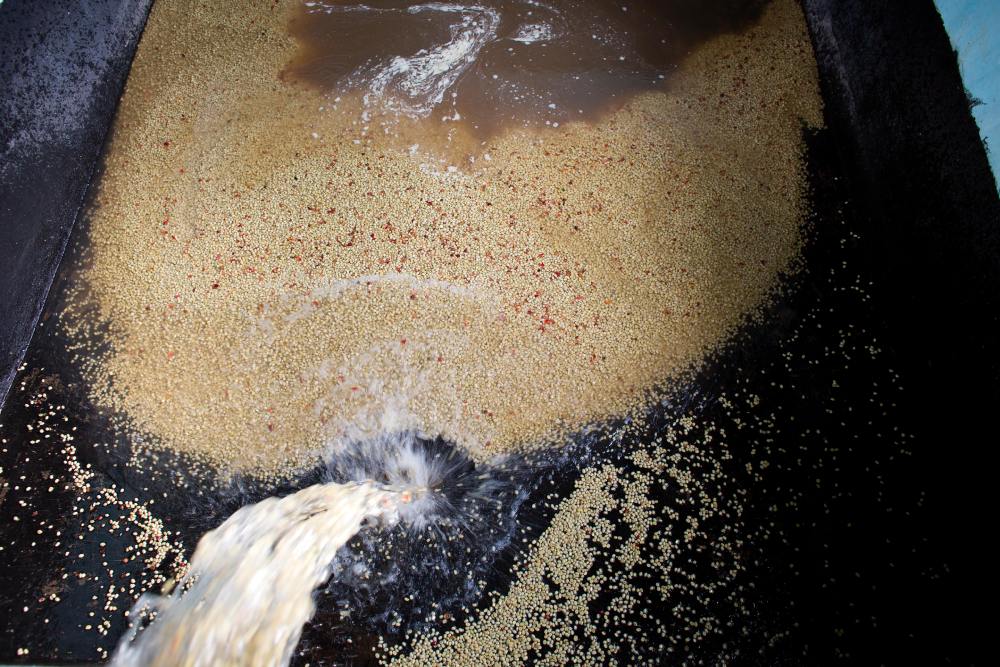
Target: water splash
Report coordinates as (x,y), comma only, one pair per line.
(451,487)
(249,589)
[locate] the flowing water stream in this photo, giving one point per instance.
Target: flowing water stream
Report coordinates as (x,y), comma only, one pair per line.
(249,588)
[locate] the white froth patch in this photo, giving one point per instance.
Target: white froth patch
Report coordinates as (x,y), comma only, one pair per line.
(414,85)
(534,32)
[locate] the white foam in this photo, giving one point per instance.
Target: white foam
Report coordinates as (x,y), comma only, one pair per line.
(414,85)
(534,32)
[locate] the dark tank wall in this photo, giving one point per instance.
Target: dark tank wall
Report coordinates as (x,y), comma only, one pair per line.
(62,68)
(930,217)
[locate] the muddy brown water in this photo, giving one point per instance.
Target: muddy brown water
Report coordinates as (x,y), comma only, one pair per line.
(501,63)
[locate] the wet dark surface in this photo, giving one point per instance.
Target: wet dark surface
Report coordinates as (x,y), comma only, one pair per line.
(877,376)
(529,62)
(62,67)
(928,206)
